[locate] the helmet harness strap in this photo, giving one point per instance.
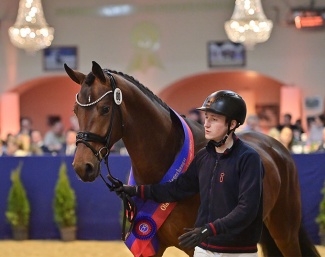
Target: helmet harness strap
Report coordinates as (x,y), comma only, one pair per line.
(223,141)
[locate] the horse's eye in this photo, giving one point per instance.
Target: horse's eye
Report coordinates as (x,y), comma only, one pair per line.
(105,109)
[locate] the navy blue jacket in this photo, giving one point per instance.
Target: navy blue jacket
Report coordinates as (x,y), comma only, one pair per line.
(231,193)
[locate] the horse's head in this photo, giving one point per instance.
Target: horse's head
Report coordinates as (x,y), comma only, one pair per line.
(98,110)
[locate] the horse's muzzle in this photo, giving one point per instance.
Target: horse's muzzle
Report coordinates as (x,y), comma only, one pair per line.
(87,172)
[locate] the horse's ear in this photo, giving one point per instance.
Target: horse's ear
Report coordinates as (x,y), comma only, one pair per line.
(98,72)
(76,76)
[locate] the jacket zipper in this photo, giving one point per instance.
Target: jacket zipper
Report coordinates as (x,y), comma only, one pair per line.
(211,185)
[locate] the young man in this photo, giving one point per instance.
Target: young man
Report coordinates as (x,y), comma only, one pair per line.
(228,174)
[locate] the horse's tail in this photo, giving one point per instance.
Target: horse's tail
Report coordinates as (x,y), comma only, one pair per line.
(270,248)
(306,246)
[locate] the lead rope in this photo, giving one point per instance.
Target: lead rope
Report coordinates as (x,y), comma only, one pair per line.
(129,206)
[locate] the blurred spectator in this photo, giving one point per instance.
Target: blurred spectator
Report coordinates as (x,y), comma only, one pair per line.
(310,120)
(11,145)
(286,138)
(298,131)
(287,122)
(119,148)
(25,126)
(37,146)
(252,123)
(23,141)
(268,117)
(5,142)
(69,147)
(2,148)
(275,133)
(299,127)
(15,146)
(321,148)
(54,138)
(195,115)
(74,124)
(315,135)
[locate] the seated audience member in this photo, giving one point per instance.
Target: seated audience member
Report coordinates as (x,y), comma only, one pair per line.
(299,127)
(195,115)
(54,138)
(74,124)
(25,126)
(15,147)
(11,146)
(252,123)
(315,135)
(23,141)
(298,131)
(37,146)
(287,122)
(268,118)
(5,142)
(321,148)
(69,147)
(119,148)
(310,121)
(2,148)
(286,138)
(275,133)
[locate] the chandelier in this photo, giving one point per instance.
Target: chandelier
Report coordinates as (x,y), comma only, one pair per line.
(30,31)
(248,23)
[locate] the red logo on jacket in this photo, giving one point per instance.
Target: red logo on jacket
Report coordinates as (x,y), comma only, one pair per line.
(221,177)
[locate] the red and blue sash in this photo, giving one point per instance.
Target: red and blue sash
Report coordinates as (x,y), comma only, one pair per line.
(151,215)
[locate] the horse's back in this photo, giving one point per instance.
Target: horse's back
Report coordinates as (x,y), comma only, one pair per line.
(281,176)
(272,150)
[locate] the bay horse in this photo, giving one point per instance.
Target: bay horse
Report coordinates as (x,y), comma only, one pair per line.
(112,106)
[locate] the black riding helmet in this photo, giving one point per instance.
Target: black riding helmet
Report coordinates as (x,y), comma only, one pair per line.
(229,104)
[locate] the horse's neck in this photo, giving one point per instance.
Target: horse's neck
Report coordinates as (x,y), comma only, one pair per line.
(152,140)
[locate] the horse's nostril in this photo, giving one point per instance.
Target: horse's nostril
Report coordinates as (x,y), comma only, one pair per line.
(89,168)
(86,171)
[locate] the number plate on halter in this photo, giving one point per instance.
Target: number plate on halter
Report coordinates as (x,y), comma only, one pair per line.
(118,96)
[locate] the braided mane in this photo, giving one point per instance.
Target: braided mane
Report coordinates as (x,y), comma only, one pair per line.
(144,89)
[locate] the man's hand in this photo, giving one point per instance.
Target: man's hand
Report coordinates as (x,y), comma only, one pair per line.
(193,237)
(129,190)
